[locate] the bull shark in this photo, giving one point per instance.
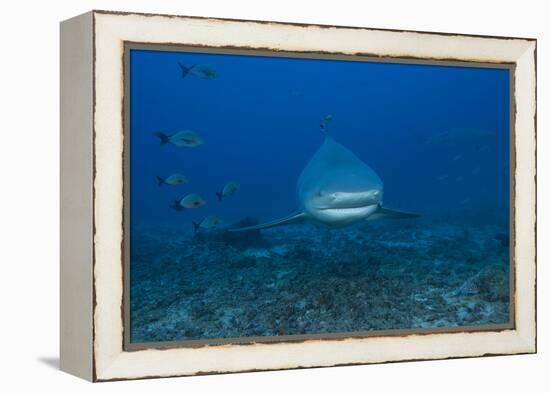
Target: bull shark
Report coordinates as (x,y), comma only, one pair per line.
(336,189)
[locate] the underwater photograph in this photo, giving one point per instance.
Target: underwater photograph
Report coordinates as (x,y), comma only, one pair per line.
(279,195)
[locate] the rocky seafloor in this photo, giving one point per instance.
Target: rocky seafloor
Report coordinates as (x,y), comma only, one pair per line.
(306,280)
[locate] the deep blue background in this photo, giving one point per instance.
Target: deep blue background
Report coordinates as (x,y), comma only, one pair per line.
(260,122)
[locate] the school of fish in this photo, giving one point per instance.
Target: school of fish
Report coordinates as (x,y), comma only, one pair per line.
(191,139)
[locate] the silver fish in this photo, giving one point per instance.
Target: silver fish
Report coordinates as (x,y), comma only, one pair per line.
(229,189)
(192,201)
(209,222)
(174,180)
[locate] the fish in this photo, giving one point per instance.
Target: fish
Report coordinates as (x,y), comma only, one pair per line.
(185,138)
(174,180)
(192,201)
(176,205)
(203,71)
(442,177)
(476,171)
(229,189)
(209,222)
(324,123)
(336,189)
(457,157)
(458,136)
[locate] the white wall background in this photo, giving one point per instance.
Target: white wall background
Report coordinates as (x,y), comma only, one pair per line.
(29,195)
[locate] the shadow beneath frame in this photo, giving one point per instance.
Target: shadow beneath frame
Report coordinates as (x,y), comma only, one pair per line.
(52,362)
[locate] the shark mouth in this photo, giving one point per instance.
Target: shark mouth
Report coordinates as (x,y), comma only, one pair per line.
(348,200)
(350,207)
(342,215)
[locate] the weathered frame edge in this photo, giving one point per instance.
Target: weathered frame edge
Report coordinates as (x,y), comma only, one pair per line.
(76,196)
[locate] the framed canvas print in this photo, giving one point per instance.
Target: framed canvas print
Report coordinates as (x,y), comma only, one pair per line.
(245,195)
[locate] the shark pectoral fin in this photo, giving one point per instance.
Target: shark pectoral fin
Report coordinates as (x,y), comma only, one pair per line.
(382,212)
(295,218)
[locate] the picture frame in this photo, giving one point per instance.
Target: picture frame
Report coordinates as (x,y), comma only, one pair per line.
(94,270)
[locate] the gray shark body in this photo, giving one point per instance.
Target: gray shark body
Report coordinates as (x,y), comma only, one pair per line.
(336,189)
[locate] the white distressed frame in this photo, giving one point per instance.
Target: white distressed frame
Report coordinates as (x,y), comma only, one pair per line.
(111,30)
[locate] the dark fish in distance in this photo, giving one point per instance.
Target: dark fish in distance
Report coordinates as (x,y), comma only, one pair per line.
(458,136)
(202,71)
(183,138)
(324,123)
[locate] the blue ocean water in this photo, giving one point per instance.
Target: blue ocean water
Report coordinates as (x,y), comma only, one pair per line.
(437,136)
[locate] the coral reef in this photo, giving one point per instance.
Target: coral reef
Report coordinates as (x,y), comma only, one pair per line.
(240,240)
(306,280)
